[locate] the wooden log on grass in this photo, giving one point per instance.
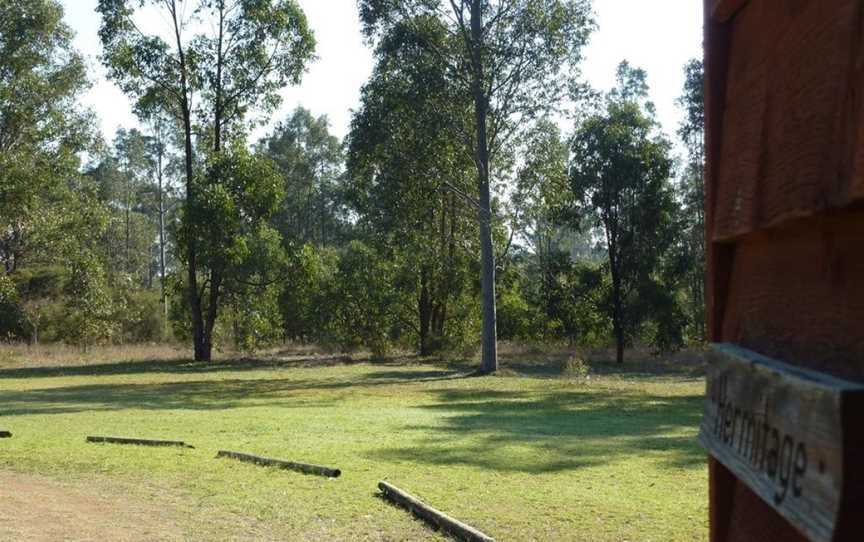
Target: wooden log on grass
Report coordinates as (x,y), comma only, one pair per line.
(435,518)
(290,465)
(5,434)
(138,441)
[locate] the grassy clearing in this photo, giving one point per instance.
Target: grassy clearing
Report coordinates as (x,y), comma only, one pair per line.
(528,456)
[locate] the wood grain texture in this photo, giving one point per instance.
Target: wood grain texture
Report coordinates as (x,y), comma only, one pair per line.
(723,10)
(784,178)
(137,441)
(282,464)
(792,142)
(797,294)
(781,430)
(435,518)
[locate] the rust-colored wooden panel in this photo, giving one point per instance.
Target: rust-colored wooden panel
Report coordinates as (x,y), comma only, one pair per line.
(797,294)
(722,10)
(784,208)
(794,83)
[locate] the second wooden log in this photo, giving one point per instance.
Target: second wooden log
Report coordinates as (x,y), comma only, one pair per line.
(138,441)
(282,464)
(436,518)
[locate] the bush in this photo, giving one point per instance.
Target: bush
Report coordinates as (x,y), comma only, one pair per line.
(364,307)
(12,320)
(576,367)
(139,315)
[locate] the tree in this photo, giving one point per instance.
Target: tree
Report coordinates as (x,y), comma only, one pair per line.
(510,57)
(311,162)
(619,172)
(89,303)
(209,82)
(409,181)
(42,128)
(123,177)
(692,250)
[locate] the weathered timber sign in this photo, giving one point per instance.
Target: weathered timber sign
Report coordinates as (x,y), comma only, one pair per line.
(784,432)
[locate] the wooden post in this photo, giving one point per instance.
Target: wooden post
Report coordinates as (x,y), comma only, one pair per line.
(289,465)
(138,441)
(433,517)
(784,217)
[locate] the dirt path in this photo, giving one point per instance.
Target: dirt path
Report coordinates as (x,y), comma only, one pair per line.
(36,509)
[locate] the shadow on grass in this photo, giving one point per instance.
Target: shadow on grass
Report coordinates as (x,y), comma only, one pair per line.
(215,394)
(538,432)
(195,367)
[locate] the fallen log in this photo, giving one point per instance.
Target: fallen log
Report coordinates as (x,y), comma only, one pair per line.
(5,434)
(437,519)
(139,441)
(291,465)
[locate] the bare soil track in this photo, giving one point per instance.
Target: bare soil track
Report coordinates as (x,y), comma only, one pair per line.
(34,508)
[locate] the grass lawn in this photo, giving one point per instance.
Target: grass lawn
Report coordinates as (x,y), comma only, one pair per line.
(529,455)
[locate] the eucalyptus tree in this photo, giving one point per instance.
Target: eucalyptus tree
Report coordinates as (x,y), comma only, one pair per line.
(620,173)
(311,161)
(512,59)
(42,127)
(691,131)
(539,201)
(409,180)
(215,63)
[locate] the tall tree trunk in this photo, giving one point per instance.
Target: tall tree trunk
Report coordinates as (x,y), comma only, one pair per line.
(215,283)
(163,292)
(424,309)
(617,309)
(489,357)
(201,352)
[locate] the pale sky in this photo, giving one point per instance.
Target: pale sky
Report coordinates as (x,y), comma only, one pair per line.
(656,35)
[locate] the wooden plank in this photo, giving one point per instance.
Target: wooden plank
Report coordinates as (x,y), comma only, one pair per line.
(723,10)
(282,464)
(5,434)
(435,518)
(137,441)
(787,433)
(776,167)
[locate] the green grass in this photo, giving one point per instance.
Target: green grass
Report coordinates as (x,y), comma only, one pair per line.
(520,457)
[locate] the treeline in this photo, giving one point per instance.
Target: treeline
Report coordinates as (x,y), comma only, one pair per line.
(456,207)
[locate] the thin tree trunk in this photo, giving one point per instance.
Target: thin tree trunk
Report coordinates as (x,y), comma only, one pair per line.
(489,356)
(617,313)
(159,179)
(215,274)
(424,309)
(201,353)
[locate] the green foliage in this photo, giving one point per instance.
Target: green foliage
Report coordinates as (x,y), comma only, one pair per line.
(410,184)
(518,319)
(620,172)
(510,61)
(310,161)
(366,311)
(138,315)
(12,322)
(256,47)
(576,367)
(253,320)
(89,307)
(309,279)
(235,196)
(690,252)
(43,129)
